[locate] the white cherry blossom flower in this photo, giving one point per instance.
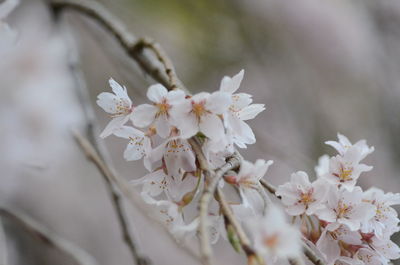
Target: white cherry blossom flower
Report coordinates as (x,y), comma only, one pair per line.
(343,145)
(177,154)
(158,112)
(385,216)
(202,113)
(139,144)
(170,215)
(345,170)
(370,257)
(273,237)
(300,196)
(347,208)
(239,111)
(119,105)
(328,243)
(385,247)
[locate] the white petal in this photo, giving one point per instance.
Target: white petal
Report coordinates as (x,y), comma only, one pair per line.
(113,125)
(218,102)
(229,84)
(212,127)
(162,126)
(175,97)
(188,127)
(107,101)
(127,132)
(119,90)
(156,93)
(251,111)
(143,115)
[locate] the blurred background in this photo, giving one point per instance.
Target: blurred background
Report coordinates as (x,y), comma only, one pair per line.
(320,67)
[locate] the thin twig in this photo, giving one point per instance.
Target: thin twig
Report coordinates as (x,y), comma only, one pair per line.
(212,179)
(47,237)
(92,133)
(103,168)
(244,240)
(133,46)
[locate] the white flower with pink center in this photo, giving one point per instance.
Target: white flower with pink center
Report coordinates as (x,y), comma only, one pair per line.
(119,105)
(274,238)
(239,111)
(158,113)
(343,145)
(345,170)
(300,196)
(202,113)
(347,208)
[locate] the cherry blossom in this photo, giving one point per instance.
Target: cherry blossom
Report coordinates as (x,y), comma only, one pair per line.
(139,144)
(177,154)
(343,145)
(385,216)
(119,105)
(201,113)
(300,196)
(273,237)
(239,111)
(345,170)
(347,208)
(329,245)
(158,112)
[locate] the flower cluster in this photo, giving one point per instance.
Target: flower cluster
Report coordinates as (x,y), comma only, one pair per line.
(160,134)
(347,225)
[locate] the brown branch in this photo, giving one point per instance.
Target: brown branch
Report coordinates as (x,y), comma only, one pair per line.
(244,240)
(211,182)
(133,46)
(47,237)
(103,168)
(92,133)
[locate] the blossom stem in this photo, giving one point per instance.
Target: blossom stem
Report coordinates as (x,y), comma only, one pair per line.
(227,212)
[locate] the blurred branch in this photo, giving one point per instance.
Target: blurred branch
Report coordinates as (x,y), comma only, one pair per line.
(92,133)
(47,237)
(244,240)
(133,46)
(94,157)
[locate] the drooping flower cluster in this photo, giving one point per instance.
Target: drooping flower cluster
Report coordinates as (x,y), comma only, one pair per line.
(160,134)
(347,225)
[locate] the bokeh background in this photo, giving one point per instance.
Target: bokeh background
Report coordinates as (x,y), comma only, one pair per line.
(320,67)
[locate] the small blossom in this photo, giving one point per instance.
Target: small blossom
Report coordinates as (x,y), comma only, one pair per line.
(385,216)
(273,237)
(239,111)
(328,243)
(139,144)
(347,208)
(202,113)
(300,196)
(158,112)
(345,170)
(177,154)
(119,105)
(343,145)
